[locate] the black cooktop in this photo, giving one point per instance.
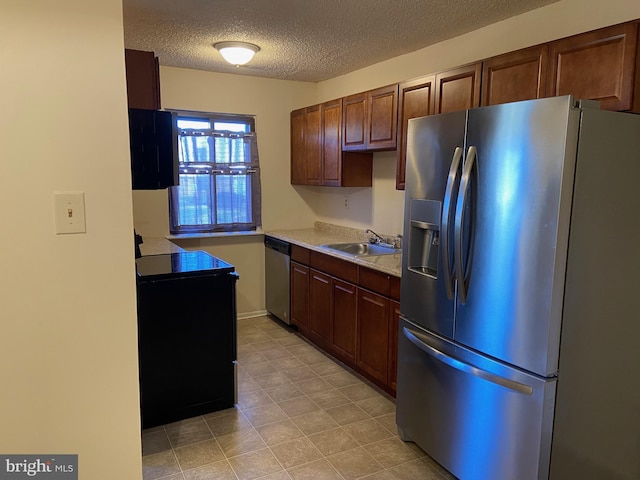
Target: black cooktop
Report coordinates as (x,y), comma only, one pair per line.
(181,264)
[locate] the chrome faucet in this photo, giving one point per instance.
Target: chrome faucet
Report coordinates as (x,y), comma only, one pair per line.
(385,242)
(379,239)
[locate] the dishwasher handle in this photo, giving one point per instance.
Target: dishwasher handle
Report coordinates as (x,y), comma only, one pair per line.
(277,245)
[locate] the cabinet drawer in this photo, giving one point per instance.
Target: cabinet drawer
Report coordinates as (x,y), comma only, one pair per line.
(300,254)
(334,266)
(374,280)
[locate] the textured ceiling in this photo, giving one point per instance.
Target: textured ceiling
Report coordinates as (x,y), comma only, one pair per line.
(308,40)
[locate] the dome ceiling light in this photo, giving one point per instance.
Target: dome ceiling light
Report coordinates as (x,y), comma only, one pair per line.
(236,53)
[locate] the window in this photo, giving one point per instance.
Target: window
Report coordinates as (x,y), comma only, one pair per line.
(219,175)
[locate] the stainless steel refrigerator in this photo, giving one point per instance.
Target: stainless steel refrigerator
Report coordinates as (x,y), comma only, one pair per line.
(520,306)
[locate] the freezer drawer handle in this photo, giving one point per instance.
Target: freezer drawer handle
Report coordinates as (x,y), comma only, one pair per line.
(414,337)
(447,210)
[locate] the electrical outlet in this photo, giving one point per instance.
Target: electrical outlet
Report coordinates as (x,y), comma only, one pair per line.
(346,202)
(69,212)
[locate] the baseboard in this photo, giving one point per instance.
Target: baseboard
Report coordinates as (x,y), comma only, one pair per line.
(258,313)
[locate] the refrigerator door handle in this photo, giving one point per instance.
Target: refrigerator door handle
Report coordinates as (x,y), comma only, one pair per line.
(419,341)
(447,211)
(462,273)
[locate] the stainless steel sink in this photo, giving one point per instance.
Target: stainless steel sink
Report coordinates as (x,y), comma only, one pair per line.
(361,249)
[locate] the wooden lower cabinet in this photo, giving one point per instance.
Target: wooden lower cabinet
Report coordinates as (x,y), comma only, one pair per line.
(320,308)
(373,335)
(345,316)
(299,293)
(394,321)
(344,320)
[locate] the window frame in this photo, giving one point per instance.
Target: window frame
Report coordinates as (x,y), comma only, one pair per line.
(253,173)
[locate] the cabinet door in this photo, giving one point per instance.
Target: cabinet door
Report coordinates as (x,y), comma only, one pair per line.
(331,143)
(154,149)
(394,321)
(597,65)
(320,308)
(515,76)
(297,147)
(143,79)
(313,145)
(344,320)
(300,296)
(458,89)
(354,122)
(373,335)
(382,117)
(417,99)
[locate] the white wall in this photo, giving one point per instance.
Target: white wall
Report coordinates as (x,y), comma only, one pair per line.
(381,208)
(270,101)
(68,347)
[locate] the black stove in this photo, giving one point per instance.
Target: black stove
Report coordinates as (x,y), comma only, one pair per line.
(183,264)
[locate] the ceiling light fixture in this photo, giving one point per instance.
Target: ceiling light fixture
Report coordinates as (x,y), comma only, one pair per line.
(236,53)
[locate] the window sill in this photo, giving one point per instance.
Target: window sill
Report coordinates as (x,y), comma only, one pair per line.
(184,236)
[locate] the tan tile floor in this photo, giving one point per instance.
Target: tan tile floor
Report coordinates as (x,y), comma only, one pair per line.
(300,416)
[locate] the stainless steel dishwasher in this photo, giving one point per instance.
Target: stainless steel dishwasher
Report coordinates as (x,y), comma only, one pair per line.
(276,266)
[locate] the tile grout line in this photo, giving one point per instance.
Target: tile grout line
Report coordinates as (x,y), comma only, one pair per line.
(294,350)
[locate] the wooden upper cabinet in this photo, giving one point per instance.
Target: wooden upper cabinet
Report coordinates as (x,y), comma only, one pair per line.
(383,118)
(354,122)
(458,89)
(313,145)
(416,98)
(370,120)
(143,79)
(316,150)
(515,76)
(331,143)
(297,146)
(597,65)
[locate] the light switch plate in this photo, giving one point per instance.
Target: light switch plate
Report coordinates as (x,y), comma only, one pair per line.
(69,212)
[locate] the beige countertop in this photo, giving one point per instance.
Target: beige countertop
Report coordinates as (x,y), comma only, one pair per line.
(323,233)
(158,246)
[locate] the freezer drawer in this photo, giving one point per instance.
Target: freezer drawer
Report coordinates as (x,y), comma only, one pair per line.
(478,418)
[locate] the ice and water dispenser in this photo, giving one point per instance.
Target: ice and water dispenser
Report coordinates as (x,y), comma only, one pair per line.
(424,237)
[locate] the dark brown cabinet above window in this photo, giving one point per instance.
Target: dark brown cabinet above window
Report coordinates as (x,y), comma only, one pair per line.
(153,142)
(143,79)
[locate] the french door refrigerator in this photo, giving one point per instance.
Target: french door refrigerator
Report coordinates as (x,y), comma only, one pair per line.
(520,318)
